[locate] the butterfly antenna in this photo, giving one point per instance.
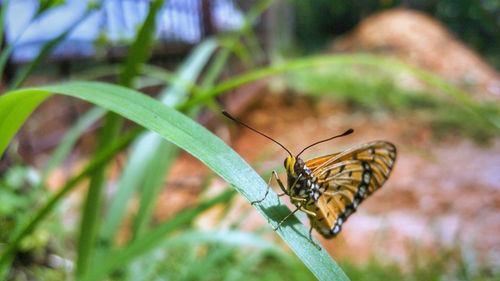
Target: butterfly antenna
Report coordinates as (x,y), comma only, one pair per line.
(348,132)
(239,122)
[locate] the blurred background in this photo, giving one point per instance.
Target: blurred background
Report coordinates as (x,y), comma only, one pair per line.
(420,74)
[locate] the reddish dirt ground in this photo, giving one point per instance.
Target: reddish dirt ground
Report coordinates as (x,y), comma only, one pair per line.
(443,193)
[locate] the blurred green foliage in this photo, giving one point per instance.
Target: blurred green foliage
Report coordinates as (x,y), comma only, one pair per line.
(456,262)
(224,261)
(374,90)
(20,194)
(474,22)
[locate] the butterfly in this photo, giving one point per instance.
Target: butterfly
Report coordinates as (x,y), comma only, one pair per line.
(331,187)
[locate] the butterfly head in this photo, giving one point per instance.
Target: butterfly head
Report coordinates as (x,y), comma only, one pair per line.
(293,165)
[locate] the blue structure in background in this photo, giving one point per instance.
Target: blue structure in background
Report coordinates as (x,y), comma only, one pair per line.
(118,20)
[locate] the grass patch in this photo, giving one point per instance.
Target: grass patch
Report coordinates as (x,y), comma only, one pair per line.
(372,90)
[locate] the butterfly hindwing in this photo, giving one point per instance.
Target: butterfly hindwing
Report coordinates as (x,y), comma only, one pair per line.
(346,179)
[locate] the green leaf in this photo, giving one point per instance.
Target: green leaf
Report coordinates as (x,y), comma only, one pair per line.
(14,109)
(202,144)
(143,44)
(93,201)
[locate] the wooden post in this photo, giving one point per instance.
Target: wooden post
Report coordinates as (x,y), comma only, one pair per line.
(206,18)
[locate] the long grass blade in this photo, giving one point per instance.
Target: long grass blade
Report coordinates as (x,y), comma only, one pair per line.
(93,201)
(209,149)
(142,46)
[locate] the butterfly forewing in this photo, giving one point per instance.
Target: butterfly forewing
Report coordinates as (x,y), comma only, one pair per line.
(345,180)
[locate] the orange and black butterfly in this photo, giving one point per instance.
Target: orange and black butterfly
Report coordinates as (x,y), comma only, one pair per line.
(330,188)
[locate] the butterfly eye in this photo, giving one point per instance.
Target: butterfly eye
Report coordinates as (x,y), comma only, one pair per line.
(299,165)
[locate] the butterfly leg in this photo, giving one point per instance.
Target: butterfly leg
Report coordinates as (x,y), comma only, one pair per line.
(284,219)
(310,235)
(307,211)
(299,207)
(275,175)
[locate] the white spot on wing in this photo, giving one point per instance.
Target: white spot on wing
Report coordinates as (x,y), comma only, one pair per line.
(336,229)
(366,177)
